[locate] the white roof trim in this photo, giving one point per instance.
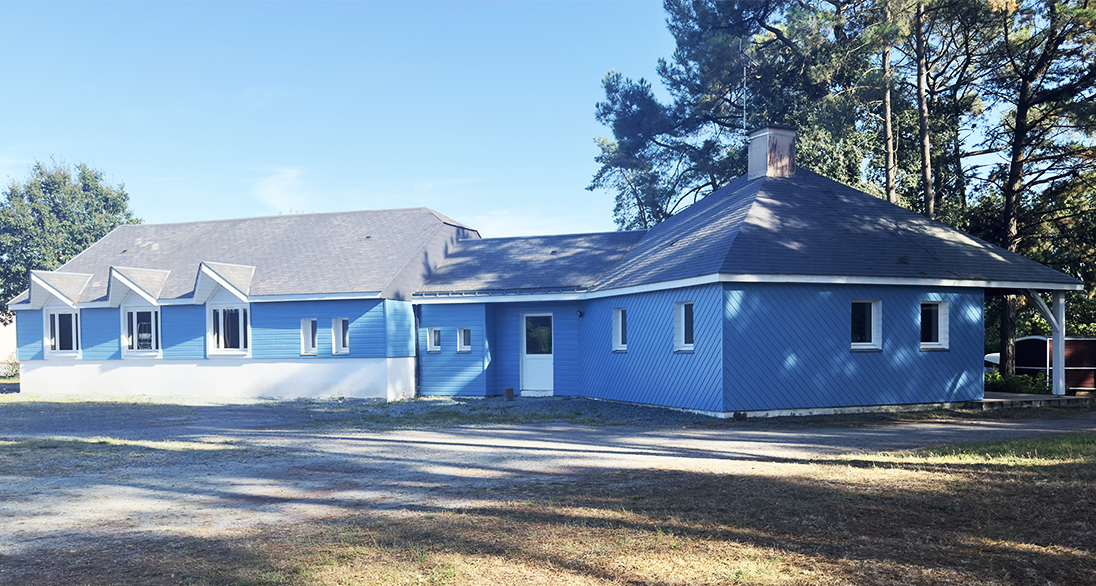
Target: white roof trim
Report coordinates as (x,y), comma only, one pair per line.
(203,290)
(115,300)
(726,278)
(38,283)
(313,297)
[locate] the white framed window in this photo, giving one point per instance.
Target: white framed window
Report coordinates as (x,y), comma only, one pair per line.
(934,325)
(620,329)
(229,330)
(867,325)
(340,335)
(310,335)
(140,332)
(683,326)
(433,340)
(464,339)
(62,334)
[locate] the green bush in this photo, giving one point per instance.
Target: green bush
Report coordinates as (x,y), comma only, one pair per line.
(9,368)
(1017,383)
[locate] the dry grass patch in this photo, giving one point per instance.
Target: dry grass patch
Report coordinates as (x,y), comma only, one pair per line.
(1004,513)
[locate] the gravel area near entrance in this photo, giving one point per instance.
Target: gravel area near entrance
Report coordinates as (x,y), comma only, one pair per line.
(73,471)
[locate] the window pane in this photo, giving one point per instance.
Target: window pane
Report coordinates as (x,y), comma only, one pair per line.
(930,323)
(345,333)
(231,328)
(156,330)
(861,322)
(688,323)
(129,328)
(52,332)
(623,327)
(64,332)
(243,328)
(538,334)
(217,329)
(435,337)
(466,337)
(314,334)
(144,330)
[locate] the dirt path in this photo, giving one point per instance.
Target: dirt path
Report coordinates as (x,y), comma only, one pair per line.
(77,471)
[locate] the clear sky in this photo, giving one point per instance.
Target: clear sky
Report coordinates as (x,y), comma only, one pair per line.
(483,111)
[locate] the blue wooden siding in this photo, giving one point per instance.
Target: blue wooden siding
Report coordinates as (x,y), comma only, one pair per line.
(449,372)
(101,329)
(788,346)
(565,344)
(182,332)
(28,335)
(276,328)
(399,319)
(650,371)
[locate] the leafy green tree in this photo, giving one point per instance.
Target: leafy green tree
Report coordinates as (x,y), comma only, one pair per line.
(51,217)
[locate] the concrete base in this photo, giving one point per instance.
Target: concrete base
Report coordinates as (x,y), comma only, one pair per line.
(389,379)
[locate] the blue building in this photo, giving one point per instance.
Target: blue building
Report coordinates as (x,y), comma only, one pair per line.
(782,291)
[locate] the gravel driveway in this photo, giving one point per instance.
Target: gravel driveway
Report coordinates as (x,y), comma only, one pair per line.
(74,471)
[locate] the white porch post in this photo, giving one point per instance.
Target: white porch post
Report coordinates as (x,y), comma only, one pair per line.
(1059,348)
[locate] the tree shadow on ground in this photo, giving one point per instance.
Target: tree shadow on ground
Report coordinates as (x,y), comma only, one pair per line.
(815,523)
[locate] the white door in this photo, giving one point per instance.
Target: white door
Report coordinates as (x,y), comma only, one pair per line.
(536,352)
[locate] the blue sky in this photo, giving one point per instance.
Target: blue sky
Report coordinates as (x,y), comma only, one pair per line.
(482,111)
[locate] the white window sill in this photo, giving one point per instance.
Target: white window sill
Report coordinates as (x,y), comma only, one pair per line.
(309,353)
(866,348)
(464,351)
(341,353)
(683,350)
(62,355)
(623,350)
(224,354)
(126,355)
(933,348)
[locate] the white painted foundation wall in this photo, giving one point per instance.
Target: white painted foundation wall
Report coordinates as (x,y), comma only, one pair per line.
(389,379)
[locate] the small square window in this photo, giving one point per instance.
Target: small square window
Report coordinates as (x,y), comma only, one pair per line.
(620,329)
(433,340)
(464,339)
(683,326)
(934,325)
(309,336)
(340,334)
(867,325)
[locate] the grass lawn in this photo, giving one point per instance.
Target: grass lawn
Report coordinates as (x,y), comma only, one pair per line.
(1018,512)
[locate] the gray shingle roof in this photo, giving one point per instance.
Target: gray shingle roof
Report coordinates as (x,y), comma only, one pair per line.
(570,262)
(810,225)
(301,254)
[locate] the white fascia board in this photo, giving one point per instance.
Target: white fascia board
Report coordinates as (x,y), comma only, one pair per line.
(901,281)
(313,297)
(728,278)
(22,306)
(505,298)
(116,276)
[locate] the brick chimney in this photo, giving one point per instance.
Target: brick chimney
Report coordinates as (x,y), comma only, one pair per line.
(772,151)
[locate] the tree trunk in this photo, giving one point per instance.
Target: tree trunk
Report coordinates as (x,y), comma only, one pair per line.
(888,131)
(921,56)
(1008,336)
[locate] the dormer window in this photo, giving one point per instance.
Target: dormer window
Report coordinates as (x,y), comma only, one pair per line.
(228,330)
(62,329)
(141,331)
